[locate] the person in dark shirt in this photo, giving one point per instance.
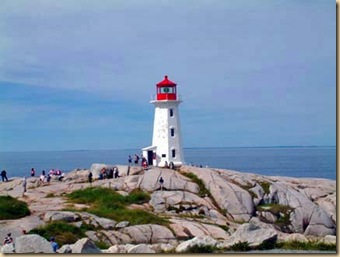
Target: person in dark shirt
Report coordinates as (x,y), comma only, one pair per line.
(4,176)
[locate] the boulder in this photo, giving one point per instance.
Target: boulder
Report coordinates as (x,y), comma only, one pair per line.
(84,245)
(122,224)
(252,234)
(61,216)
(172,181)
(65,249)
(7,248)
(162,200)
(116,249)
(184,229)
(196,241)
(141,248)
(149,234)
(32,244)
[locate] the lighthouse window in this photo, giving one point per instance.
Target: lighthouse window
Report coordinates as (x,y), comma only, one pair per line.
(173,152)
(172,132)
(171,112)
(167,90)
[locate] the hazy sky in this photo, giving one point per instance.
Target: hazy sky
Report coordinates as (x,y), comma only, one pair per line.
(80,74)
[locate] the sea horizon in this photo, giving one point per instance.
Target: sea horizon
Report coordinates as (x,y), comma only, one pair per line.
(189,147)
(291,161)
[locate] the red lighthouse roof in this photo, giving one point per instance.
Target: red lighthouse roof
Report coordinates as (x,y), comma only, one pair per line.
(166,82)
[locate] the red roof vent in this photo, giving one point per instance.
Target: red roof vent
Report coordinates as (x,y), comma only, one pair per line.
(166,82)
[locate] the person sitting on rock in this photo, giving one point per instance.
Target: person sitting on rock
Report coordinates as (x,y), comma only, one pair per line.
(8,239)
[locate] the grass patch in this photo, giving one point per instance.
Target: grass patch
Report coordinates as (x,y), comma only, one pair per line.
(105,202)
(102,245)
(63,232)
(11,208)
(203,191)
(50,195)
(298,245)
(282,212)
(265,186)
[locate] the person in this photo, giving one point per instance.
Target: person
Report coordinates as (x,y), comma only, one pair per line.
(42,179)
(43,172)
(8,239)
(60,178)
(90,177)
(4,176)
(116,172)
(130,160)
(54,244)
(103,173)
(136,159)
(48,178)
(110,173)
(24,185)
(32,172)
(161,182)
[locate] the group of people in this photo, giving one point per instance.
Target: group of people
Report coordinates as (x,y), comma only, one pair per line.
(105,173)
(144,162)
(9,240)
(43,178)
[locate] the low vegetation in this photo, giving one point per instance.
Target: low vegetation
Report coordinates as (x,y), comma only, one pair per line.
(11,208)
(63,232)
(201,249)
(265,186)
(203,191)
(299,245)
(282,212)
(107,203)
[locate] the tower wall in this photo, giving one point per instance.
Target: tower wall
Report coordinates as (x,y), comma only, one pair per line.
(162,138)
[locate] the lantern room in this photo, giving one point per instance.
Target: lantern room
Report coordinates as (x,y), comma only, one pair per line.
(166,90)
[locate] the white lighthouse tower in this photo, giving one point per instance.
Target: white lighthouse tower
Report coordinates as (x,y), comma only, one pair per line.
(166,148)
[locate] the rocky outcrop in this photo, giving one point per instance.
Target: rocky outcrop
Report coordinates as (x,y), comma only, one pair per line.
(149,234)
(84,245)
(196,241)
(307,206)
(306,217)
(236,201)
(252,234)
(32,244)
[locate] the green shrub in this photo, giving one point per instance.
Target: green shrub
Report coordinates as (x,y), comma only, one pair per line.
(105,202)
(265,185)
(102,245)
(11,208)
(240,247)
(200,249)
(63,232)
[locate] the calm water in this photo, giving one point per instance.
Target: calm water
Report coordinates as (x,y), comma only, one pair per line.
(314,162)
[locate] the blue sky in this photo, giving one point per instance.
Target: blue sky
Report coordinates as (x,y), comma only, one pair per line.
(80,74)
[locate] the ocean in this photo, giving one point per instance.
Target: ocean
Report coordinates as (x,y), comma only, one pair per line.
(311,162)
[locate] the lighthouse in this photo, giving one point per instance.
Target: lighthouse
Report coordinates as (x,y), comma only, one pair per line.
(166,149)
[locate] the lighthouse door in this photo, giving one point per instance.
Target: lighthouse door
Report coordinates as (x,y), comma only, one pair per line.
(150,157)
